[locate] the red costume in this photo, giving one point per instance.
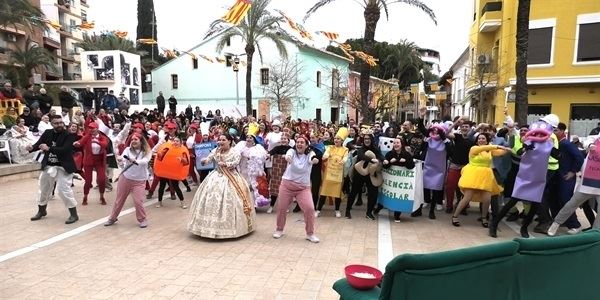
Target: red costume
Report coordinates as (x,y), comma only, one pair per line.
(94,158)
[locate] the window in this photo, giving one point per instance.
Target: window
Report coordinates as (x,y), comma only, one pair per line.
(174,81)
(264,76)
(541,42)
(318,78)
(587,43)
(195,62)
(83,15)
(318,114)
(228,42)
(72,25)
(228,60)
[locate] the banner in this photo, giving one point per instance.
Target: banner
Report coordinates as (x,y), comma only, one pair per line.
(402,189)
(590,182)
(202,150)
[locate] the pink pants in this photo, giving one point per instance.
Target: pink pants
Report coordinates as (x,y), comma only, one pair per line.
(136,189)
(287,191)
(451,185)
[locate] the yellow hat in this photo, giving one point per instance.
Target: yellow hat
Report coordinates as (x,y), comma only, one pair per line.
(342,133)
(253,128)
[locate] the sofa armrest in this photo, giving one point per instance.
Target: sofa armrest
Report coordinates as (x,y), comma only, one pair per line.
(559,243)
(347,292)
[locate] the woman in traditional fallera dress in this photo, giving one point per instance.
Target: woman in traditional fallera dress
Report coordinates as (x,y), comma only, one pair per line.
(222,207)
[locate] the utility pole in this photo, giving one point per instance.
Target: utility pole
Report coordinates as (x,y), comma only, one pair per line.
(153,23)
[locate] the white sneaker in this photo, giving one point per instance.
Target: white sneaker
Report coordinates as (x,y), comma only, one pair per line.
(553,229)
(277,234)
(312,238)
(317,213)
(439,207)
(425,205)
(270,210)
(573,230)
(338,214)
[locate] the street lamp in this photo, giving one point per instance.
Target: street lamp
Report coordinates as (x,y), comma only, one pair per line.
(235,66)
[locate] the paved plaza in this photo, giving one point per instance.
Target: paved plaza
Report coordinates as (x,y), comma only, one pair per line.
(50,260)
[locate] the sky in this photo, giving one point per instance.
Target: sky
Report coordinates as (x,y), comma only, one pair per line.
(183,23)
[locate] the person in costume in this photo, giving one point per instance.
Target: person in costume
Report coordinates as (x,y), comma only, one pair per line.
(586,189)
(477,178)
(358,180)
(279,164)
(334,158)
(459,158)
(295,184)
(132,180)
(222,207)
(57,167)
(399,156)
(95,149)
(531,179)
(175,142)
(515,141)
(252,167)
(273,140)
(194,136)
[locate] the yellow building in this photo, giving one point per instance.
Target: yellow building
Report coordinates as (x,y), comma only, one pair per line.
(563,73)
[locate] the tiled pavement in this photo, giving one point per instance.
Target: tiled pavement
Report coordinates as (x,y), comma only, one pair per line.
(163,261)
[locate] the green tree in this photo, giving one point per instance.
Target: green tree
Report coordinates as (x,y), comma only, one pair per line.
(13,12)
(146,27)
(106,41)
(24,60)
(371,14)
(522,43)
(407,62)
(259,24)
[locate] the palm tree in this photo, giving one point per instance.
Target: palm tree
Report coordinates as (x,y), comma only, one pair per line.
(521,63)
(13,12)
(372,13)
(407,61)
(107,41)
(25,60)
(259,24)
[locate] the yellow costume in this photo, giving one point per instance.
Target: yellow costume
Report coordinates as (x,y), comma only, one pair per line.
(478,174)
(334,171)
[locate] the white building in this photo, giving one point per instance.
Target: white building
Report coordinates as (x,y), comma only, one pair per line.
(461,104)
(215,85)
(431,58)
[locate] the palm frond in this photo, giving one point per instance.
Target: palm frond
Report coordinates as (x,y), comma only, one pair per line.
(316,7)
(277,39)
(225,37)
(416,3)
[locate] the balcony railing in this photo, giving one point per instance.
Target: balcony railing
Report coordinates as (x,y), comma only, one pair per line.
(491,17)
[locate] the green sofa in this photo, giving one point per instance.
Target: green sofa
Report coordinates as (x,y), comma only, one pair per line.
(562,267)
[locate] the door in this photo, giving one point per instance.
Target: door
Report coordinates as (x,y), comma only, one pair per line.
(318,114)
(335,113)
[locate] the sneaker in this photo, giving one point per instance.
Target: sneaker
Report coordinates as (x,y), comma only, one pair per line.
(110,222)
(277,234)
(158,205)
(439,207)
(270,210)
(396,220)
(312,238)
(109,189)
(182,204)
(553,229)
(317,213)
(338,214)
(425,205)
(572,230)
(149,196)
(143,224)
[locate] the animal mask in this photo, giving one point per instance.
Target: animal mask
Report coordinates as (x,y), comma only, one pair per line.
(539,131)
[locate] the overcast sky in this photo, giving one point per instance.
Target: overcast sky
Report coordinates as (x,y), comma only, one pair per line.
(183,23)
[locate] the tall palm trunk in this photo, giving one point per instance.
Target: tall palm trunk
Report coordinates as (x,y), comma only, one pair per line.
(371,15)
(249,54)
(521,64)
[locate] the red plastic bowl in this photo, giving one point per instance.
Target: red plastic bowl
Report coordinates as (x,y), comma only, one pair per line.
(360,283)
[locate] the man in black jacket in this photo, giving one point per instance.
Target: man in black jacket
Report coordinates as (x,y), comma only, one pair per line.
(89,99)
(57,167)
(160,103)
(67,101)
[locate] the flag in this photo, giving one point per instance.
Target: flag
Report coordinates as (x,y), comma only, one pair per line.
(120,34)
(220,59)
(332,36)
(370,60)
(296,26)
(190,54)
(206,58)
(86,25)
(147,41)
(54,24)
(237,12)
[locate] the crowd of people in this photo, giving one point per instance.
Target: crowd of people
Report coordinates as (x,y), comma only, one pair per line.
(257,163)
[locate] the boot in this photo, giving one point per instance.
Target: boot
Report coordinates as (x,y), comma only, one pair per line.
(40,214)
(84,200)
(149,196)
(524,232)
(370,216)
(493,229)
(73,217)
(348,215)
(432,212)
(418,212)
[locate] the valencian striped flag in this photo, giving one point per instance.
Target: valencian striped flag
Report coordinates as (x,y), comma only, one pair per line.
(332,36)
(237,12)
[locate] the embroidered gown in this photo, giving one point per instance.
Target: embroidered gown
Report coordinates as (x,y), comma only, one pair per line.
(222,206)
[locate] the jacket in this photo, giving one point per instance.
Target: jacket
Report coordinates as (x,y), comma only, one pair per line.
(61,145)
(86,144)
(66,99)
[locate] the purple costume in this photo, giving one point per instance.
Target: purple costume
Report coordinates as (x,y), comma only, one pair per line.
(531,178)
(434,169)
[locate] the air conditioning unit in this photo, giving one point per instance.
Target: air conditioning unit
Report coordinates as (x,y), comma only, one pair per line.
(483,59)
(11,37)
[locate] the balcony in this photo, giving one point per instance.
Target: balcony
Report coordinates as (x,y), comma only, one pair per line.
(491,17)
(84,3)
(51,43)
